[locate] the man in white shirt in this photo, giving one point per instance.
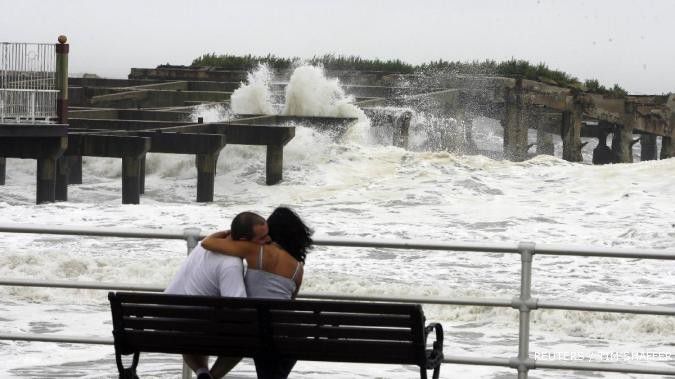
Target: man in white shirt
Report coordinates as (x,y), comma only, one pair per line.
(206,273)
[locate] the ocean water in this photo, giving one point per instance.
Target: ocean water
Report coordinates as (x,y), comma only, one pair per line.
(359,186)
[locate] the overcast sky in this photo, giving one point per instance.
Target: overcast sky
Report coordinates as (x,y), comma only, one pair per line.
(615,41)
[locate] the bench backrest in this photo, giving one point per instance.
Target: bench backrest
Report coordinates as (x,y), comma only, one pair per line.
(303,329)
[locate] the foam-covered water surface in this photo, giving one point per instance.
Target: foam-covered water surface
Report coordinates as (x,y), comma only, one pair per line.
(353,187)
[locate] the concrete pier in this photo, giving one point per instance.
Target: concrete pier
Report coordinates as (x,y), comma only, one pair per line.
(648,147)
(467,125)
(274,137)
(667,148)
(46,143)
(130,149)
(205,146)
(571,133)
(622,141)
(544,139)
(402,130)
(515,129)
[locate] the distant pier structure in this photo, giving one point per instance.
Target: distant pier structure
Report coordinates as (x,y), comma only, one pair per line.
(519,104)
(33,108)
(56,120)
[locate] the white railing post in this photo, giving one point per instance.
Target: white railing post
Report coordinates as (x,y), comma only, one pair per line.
(192,238)
(524,303)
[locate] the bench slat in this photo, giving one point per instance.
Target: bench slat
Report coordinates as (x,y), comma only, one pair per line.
(128,298)
(341,318)
(337,332)
(348,350)
(191,312)
(179,342)
(169,324)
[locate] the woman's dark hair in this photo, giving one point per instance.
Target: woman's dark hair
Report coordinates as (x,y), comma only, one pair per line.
(289,231)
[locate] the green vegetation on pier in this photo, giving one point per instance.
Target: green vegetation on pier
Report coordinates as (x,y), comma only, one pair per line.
(511,68)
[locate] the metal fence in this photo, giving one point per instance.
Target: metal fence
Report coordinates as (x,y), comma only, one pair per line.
(27,82)
(523,302)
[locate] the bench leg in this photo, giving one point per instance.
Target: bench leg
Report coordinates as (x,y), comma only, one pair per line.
(423,372)
(127,372)
(437,372)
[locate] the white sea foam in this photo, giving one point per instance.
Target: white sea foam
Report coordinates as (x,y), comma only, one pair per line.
(310,93)
(254,97)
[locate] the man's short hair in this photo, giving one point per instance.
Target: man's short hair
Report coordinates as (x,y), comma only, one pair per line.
(243,223)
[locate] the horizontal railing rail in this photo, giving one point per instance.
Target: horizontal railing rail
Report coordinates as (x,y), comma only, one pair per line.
(524,303)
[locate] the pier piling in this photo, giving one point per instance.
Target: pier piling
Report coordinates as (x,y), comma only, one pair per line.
(275,162)
(515,130)
(206,174)
(402,129)
(622,140)
(141,183)
(648,147)
(131,185)
(46,180)
(571,133)
(544,139)
(667,147)
(74,169)
(61,185)
(3,170)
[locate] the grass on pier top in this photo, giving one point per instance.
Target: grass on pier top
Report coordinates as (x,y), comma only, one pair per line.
(510,68)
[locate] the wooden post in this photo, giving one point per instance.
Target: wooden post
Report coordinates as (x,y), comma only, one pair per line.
(667,148)
(141,175)
(50,152)
(62,173)
(515,130)
(275,162)
(62,49)
(46,180)
(206,174)
(131,193)
(3,170)
(74,169)
(648,147)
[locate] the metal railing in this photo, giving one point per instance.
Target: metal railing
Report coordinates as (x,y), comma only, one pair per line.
(524,303)
(27,82)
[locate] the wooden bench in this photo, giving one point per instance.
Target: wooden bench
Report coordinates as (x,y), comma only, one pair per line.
(337,331)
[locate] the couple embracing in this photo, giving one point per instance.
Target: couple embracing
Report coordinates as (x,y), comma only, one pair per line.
(274,250)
